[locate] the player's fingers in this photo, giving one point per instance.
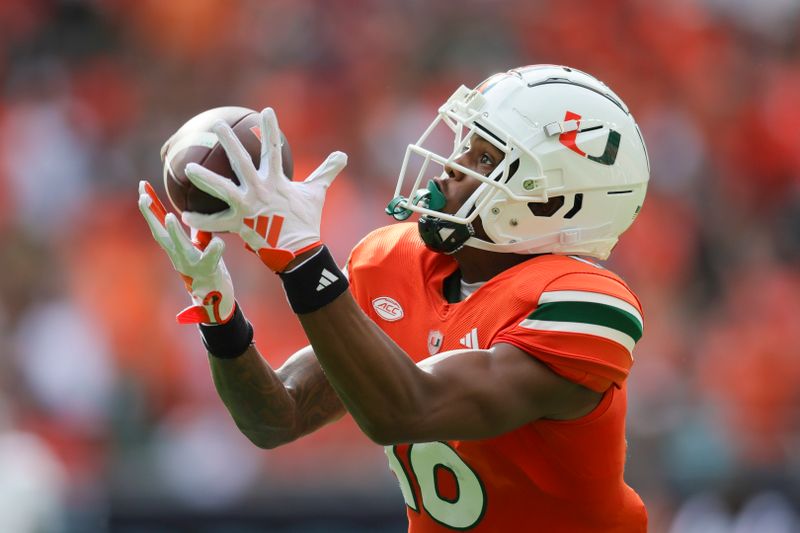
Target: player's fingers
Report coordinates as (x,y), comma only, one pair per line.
(200,238)
(156,206)
(213,252)
(156,226)
(271,154)
(325,174)
(179,238)
(212,183)
(222,221)
(251,238)
(240,160)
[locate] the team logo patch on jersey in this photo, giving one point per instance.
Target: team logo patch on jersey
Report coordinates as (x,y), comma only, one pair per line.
(435,339)
(387,308)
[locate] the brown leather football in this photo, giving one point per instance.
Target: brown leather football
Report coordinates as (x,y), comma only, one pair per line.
(194,142)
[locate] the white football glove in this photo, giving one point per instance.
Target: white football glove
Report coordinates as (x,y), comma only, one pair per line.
(199,263)
(277,218)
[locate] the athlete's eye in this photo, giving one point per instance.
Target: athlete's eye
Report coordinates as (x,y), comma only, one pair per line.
(486,159)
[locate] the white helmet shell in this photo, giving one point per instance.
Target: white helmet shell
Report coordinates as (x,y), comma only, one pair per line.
(575,169)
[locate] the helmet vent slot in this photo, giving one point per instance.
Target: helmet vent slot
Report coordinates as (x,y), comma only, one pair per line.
(546,209)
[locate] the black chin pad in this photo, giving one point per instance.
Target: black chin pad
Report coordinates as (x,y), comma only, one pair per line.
(430,231)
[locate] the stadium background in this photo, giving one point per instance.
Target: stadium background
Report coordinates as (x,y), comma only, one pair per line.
(108,418)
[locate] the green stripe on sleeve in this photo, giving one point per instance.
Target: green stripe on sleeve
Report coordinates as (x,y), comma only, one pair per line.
(590,313)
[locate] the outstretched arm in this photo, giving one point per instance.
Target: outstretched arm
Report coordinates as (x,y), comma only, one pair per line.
(464,394)
(275,407)
(269,407)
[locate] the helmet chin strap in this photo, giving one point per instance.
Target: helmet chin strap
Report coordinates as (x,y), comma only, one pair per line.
(560,240)
(522,247)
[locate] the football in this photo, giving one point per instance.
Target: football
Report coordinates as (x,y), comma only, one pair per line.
(195,142)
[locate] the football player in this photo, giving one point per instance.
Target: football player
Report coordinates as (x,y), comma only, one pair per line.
(480,346)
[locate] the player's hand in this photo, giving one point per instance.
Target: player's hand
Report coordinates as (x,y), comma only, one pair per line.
(198,261)
(277,218)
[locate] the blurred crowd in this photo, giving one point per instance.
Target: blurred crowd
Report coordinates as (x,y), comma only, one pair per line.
(108,417)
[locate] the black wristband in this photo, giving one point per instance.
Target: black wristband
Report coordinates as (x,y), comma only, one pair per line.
(314,284)
(228,340)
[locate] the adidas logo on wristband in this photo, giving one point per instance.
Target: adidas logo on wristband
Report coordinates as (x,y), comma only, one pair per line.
(319,271)
(326,279)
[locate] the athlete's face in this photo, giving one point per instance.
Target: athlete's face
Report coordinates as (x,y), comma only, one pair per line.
(480,156)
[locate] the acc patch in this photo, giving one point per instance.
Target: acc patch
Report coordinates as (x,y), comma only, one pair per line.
(387,308)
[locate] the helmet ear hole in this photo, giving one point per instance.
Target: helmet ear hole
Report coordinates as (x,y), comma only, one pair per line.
(548,208)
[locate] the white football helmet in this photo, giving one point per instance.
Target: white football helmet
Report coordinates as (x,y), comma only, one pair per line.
(572,180)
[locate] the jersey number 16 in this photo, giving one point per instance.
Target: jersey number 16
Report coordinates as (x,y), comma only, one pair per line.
(451,492)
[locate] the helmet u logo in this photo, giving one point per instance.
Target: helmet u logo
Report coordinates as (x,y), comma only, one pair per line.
(609,154)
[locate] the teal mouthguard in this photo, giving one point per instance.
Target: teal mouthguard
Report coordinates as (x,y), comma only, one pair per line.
(430,198)
(436,199)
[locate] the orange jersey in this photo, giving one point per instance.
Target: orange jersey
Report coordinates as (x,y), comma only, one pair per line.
(577,318)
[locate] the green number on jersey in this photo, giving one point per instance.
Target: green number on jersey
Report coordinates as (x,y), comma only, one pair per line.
(465,509)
